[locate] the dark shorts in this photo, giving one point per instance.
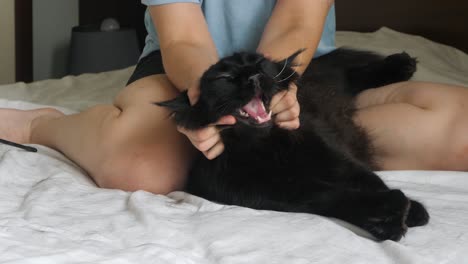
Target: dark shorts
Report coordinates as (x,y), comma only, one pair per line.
(149,65)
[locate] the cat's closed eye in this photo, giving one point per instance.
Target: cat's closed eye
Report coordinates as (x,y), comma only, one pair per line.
(224,75)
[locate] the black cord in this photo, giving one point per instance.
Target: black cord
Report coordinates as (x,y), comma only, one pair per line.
(13,144)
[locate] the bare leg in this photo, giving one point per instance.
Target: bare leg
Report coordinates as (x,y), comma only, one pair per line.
(417,125)
(16,124)
(130,145)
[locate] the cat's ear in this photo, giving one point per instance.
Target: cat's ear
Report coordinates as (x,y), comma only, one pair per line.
(287,73)
(289,61)
(179,104)
(185,115)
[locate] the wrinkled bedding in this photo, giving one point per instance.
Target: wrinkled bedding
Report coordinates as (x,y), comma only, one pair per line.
(51,212)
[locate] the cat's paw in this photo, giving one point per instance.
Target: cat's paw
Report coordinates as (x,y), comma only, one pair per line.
(400,67)
(417,215)
(388,219)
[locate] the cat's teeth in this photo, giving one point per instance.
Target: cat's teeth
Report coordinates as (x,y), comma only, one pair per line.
(243,113)
(263,106)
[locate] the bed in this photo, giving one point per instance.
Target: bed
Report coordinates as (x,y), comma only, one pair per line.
(51,212)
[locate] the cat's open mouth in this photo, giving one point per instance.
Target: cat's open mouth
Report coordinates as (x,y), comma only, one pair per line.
(256,110)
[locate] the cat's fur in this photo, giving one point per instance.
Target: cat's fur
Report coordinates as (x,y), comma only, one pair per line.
(325,167)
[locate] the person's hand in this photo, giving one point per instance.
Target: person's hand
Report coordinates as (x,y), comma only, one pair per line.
(286,109)
(207,140)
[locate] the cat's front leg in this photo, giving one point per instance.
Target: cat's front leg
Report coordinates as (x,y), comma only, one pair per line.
(381,213)
(417,215)
(386,215)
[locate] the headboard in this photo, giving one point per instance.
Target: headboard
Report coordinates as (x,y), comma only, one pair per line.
(442,21)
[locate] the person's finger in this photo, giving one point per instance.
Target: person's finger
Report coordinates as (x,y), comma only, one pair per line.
(200,134)
(287,102)
(267,56)
(209,143)
(204,133)
(276,100)
(284,100)
(226,120)
(215,151)
(293,88)
(193,95)
(290,125)
(208,139)
(289,114)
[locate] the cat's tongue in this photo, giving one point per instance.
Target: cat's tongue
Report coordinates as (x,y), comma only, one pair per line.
(257,111)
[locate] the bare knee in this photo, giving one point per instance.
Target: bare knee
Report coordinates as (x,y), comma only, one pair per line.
(452,157)
(454,144)
(133,171)
(143,151)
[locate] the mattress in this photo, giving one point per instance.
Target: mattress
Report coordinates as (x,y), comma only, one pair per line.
(51,212)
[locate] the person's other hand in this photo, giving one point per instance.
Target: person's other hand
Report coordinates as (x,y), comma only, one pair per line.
(286,109)
(207,139)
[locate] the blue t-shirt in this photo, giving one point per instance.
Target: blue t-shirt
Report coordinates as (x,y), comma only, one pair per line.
(236,25)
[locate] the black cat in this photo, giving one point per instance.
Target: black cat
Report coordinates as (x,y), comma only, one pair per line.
(325,167)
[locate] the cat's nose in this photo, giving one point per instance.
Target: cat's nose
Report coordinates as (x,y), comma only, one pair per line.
(254,77)
(255,80)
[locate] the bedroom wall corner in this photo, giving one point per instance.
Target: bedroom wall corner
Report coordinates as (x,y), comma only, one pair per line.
(53,21)
(7,41)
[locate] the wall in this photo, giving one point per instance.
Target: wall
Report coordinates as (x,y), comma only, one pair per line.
(129,13)
(7,41)
(52,24)
(441,21)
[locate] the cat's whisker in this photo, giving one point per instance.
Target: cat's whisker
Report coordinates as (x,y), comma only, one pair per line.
(293,72)
(224,127)
(222,107)
(284,67)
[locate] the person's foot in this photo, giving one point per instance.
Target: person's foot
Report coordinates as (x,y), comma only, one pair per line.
(16,124)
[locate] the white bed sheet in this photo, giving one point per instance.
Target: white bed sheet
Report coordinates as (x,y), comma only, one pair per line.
(50,212)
